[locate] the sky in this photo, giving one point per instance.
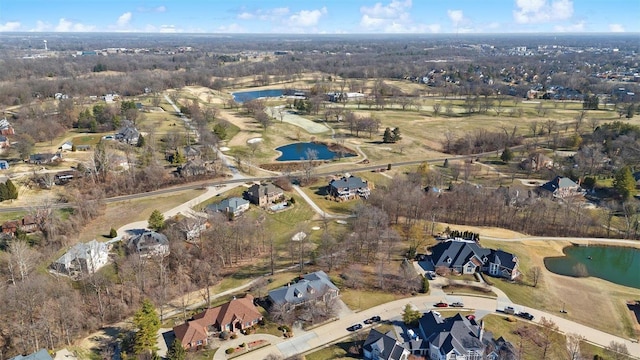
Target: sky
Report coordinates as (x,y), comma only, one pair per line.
(320,16)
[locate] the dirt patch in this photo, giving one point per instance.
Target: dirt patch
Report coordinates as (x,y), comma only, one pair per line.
(205,94)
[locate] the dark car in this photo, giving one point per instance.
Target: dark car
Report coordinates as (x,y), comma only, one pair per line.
(525,315)
(372,320)
(442,304)
(355,327)
(457,304)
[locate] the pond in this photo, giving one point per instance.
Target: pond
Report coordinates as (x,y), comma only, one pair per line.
(299,151)
(251,95)
(620,265)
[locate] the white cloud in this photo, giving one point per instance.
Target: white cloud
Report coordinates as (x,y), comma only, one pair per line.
(616,28)
(65,25)
(393,17)
(274,14)
(160,9)
(124,19)
(434,28)
(540,11)
(10,26)
(246,16)
(306,18)
(231,28)
(41,26)
(456,16)
(576,27)
(393,10)
(169,29)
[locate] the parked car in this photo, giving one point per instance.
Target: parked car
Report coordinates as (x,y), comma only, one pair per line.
(372,319)
(509,310)
(355,327)
(525,315)
(441,304)
(457,304)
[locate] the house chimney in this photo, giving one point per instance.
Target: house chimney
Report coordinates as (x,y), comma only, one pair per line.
(481,330)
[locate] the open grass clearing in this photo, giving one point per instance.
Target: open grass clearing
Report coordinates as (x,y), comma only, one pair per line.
(122,213)
(359,300)
(575,294)
(318,193)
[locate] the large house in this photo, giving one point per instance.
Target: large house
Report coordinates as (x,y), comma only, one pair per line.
(264,194)
(458,338)
(149,244)
(6,128)
(312,288)
(561,187)
(128,133)
(467,257)
(349,188)
(43,354)
(83,258)
(379,346)
(237,314)
(234,205)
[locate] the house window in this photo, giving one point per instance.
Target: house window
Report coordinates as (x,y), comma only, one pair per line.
(199,342)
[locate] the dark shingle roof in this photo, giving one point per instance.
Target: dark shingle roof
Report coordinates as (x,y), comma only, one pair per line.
(559,182)
(352,182)
(507,260)
(40,355)
(460,252)
(311,286)
(386,344)
(455,333)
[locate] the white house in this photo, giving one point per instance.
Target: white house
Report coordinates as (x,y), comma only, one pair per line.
(83,258)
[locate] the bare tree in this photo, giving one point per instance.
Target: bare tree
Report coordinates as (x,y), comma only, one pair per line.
(437,107)
(619,350)
(573,346)
(535,273)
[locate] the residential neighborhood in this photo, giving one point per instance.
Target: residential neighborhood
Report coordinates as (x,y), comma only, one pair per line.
(379,180)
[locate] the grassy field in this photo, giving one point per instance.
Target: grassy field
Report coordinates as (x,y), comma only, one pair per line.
(122,213)
(575,294)
(359,300)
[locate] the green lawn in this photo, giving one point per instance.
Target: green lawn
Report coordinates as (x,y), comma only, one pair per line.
(318,193)
(364,299)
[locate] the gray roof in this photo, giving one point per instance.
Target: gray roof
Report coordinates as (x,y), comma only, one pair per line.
(459,252)
(82,251)
(455,333)
(506,259)
(559,182)
(232,204)
(40,355)
(309,287)
(386,344)
(352,182)
(147,240)
(264,189)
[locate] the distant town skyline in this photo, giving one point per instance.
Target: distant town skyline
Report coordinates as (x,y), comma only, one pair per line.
(322,16)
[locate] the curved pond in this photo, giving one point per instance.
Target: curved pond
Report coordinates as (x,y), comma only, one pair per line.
(620,265)
(256,94)
(298,151)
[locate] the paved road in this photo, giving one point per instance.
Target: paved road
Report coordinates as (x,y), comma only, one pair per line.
(335,331)
(316,208)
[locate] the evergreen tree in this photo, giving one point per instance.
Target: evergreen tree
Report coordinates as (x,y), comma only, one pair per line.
(176,352)
(113,233)
(178,158)
(630,111)
(410,316)
(4,192)
(396,135)
(147,323)
(12,191)
(446,163)
(507,155)
(387,137)
(624,183)
(140,141)
(156,220)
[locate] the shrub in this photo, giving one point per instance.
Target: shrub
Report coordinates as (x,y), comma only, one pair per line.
(224,335)
(230,350)
(425,285)
(243,345)
(113,233)
(234,336)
